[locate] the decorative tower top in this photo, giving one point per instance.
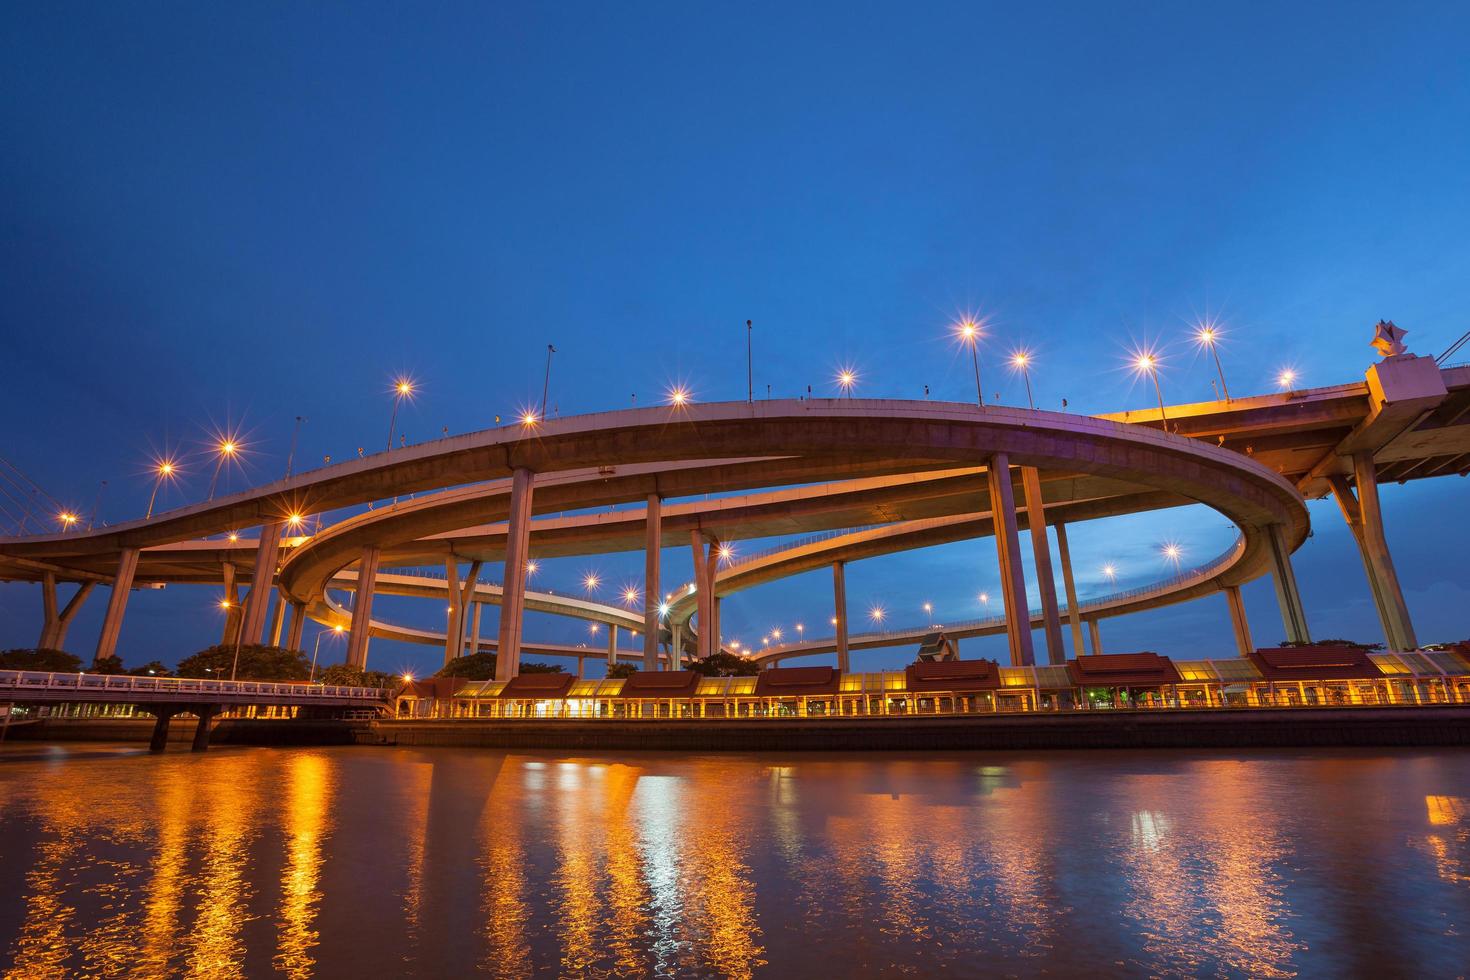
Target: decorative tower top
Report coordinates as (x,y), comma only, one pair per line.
(1388,339)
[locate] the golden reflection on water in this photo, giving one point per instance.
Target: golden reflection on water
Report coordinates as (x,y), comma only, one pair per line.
(628,893)
(503,906)
(214,945)
(715,879)
(307,810)
(164,893)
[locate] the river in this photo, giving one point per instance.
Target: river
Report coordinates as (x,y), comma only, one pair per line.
(382,862)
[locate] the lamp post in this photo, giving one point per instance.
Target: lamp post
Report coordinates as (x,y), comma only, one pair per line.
(1021,361)
(749,368)
(165,470)
(226,450)
(1207,336)
(402,388)
(336,630)
(546,382)
(970,333)
(96,505)
(1148,363)
(295,432)
(846,379)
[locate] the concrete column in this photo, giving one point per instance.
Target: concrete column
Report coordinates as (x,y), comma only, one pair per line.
(1008,551)
(1238,622)
(1293,617)
(475,629)
(54,638)
(1074,615)
(159,741)
(701,592)
(298,624)
(454,623)
(676,635)
(206,713)
(839,612)
(653,542)
(1051,619)
(1095,635)
(117,604)
(513,599)
(714,623)
(581,667)
(1365,519)
(362,607)
(257,603)
(612,644)
(49,614)
(278,621)
(233,612)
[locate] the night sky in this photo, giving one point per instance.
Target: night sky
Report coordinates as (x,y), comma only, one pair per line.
(225,216)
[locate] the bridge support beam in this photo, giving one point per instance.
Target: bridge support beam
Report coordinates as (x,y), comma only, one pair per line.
(298,625)
(704,561)
(1095,635)
(839,612)
(612,645)
(206,713)
(1074,615)
(513,593)
(1364,518)
(117,604)
(461,598)
(54,629)
(362,608)
(1051,619)
(233,611)
(652,589)
(258,601)
(1238,622)
(278,621)
(1293,616)
(676,637)
(475,629)
(1008,551)
(163,714)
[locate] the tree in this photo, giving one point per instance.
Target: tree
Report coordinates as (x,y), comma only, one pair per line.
(723,664)
(153,668)
(481,667)
(258,662)
(346,675)
(621,670)
(40,658)
(1333,643)
(108,665)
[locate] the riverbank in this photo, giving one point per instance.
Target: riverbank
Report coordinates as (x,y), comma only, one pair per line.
(1432,725)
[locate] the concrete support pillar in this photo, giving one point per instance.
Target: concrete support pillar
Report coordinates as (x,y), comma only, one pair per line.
(461,597)
(1008,551)
(233,611)
(278,621)
(1051,619)
(362,608)
(702,592)
(159,741)
(1238,622)
(257,603)
(1364,518)
(1095,635)
(839,612)
(513,598)
(653,595)
(676,634)
(49,613)
(475,629)
(117,604)
(206,713)
(581,667)
(298,624)
(612,644)
(1074,615)
(714,622)
(1293,616)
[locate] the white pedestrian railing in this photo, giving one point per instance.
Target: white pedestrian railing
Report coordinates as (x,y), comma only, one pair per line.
(83,683)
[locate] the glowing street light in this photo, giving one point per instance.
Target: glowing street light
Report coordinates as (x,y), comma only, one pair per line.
(679,396)
(969,333)
(800,632)
(531,567)
(630,595)
(929,609)
(1021,361)
(726,552)
(1172,552)
(67,519)
(295,519)
(984,598)
(234,536)
(591,581)
(1208,336)
(1285,379)
(593,628)
(846,379)
(402,388)
(776,633)
(1147,362)
(1111,572)
(166,469)
(336,632)
(529,417)
(876,614)
(663,609)
(227,449)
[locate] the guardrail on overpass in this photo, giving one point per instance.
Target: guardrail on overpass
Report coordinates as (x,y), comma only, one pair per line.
(35,685)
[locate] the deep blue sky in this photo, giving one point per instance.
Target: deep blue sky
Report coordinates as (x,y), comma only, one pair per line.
(220,214)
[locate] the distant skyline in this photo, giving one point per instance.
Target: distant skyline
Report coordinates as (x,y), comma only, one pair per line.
(219,219)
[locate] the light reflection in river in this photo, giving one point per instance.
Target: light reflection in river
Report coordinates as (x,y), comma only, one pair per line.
(310,862)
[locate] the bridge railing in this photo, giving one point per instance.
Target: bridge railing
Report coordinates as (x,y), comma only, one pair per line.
(37,680)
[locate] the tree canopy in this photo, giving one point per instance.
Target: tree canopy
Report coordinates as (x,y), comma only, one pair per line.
(40,658)
(723,664)
(346,675)
(621,670)
(481,667)
(258,662)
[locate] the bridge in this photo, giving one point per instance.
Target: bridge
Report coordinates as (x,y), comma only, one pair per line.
(858,477)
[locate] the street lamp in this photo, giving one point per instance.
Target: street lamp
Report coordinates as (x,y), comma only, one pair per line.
(929,610)
(1111,572)
(1286,378)
(969,332)
(1207,336)
(68,520)
(1021,361)
(1172,552)
(679,396)
(402,388)
(846,379)
(165,468)
(591,581)
(226,450)
(876,614)
(630,595)
(335,631)
(800,632)
(1147,362)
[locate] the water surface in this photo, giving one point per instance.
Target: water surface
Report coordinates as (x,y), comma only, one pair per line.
(371,862)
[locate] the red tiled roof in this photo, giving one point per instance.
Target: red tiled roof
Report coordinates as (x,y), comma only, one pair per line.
(1314,663)
(953,675)
(432,687)
(541,686)
(660,684)
(783,682)
(1122,670)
